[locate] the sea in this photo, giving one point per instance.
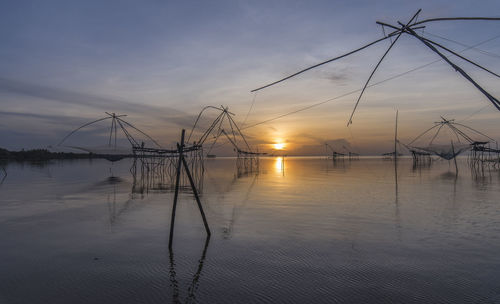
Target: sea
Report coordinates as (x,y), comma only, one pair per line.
(283,230)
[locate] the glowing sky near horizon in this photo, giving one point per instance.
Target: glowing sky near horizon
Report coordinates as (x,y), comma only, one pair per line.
(63,63)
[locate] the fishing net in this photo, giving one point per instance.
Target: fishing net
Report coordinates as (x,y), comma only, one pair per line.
(453,137)
(111,150)
(111,153)
(118,133)
(447,152)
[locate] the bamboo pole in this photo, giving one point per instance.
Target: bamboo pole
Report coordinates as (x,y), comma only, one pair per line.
(378,64)
(396,138)
(454,157)
(182,162)
(493,100)
(327,61)
(195,192)
(176,193)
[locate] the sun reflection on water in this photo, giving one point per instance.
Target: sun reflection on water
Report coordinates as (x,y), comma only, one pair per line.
(279,164)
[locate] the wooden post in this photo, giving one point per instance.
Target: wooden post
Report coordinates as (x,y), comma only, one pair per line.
(180,149)
(396,138)
(454,157)
(182,162)
(193,187)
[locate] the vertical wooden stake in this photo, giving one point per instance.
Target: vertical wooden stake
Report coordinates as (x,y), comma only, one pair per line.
(193,187)
(182,162)
(180,148)
(455,157)
(396,138)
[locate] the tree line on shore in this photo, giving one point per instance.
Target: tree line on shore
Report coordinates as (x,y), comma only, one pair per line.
(44,154)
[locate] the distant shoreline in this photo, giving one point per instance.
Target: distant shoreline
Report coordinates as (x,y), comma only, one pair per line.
(44,154)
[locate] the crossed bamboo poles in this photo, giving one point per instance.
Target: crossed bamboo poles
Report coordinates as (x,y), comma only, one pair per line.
(182,163)
(454,127)
(116,122)
(409,28)
(216,128)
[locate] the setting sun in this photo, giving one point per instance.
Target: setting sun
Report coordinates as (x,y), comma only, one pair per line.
(279,146)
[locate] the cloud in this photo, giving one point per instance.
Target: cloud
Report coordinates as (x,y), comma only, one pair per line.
(338,144)
(52,118)
(47,129)
(338,77)
(167,114)
(322,140)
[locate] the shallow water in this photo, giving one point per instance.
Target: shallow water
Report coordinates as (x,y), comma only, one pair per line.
(302,230)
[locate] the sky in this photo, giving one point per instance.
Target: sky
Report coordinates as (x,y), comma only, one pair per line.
(65,63)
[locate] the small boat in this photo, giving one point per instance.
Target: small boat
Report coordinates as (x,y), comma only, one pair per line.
(211,156)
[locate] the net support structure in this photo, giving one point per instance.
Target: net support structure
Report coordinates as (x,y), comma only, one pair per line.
(182,164)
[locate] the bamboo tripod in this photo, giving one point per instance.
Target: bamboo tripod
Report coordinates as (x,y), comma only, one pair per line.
(182,163)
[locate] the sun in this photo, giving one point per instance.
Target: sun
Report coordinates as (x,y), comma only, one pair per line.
(279,146)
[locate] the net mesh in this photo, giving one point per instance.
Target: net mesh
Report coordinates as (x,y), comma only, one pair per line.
(447,152)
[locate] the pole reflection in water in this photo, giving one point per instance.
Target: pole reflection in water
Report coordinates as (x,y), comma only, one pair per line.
(228,230)
(193,287)
(337,165)
(246,166)
(396,200)
(3,172)
(451,176)
(114,209)
(222,185)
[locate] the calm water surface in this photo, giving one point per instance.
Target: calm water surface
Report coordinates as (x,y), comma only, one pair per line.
(302,230)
